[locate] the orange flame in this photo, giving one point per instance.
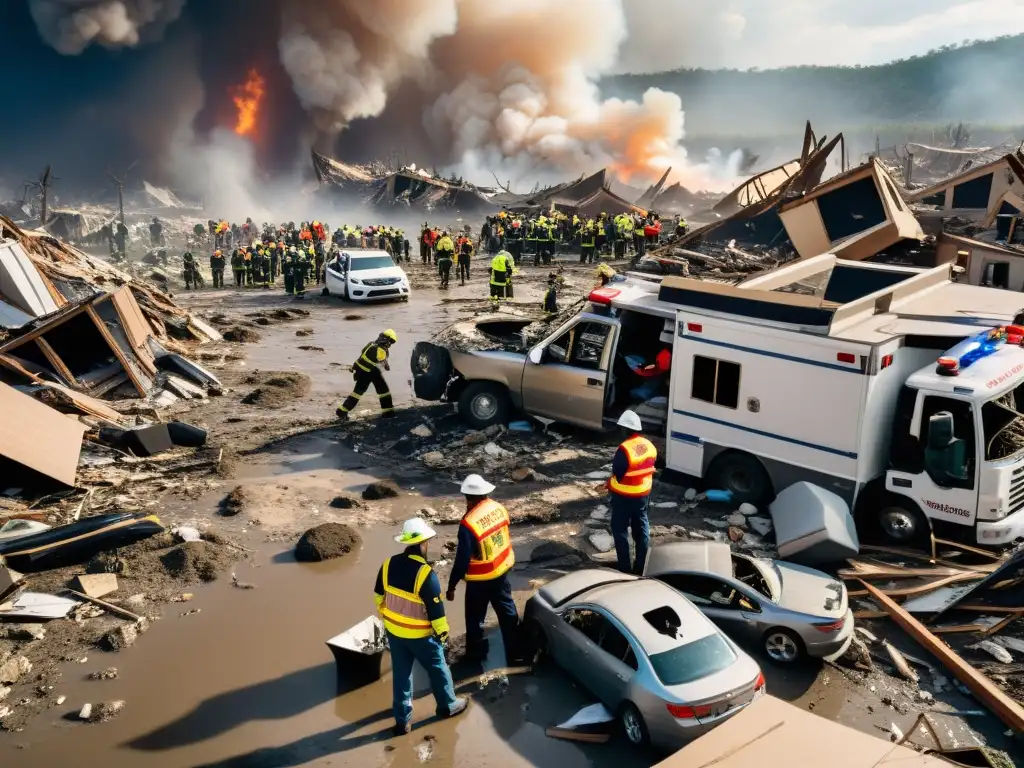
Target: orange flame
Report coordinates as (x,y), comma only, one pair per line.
(248,98)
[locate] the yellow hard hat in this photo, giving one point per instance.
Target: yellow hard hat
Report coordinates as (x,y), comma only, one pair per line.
(390,334)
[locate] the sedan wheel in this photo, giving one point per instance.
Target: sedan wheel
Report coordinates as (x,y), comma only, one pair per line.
(781,646)
(633,725)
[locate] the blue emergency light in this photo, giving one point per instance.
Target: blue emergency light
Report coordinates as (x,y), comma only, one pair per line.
(976,347)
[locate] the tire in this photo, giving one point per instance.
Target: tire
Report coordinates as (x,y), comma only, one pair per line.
(783,646)
(900,524)
(483,404)
(537,644)
(742,474)
(431,369)
(632,724)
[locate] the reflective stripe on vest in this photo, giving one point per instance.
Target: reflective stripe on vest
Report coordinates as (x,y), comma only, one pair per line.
(488,521)
(364,363)
(641,454)
(404,613)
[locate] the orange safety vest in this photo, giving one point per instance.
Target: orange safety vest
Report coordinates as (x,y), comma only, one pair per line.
(639,478)
(488,521)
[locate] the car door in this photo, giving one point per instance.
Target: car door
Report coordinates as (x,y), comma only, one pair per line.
(733,610)
(581,655)
(566,377)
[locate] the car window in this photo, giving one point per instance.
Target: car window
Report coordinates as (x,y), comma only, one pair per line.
(590,623)
(558,350)
(693,661)
(702,590)
(588,345)
(630,659)
(371,262)
(615,643)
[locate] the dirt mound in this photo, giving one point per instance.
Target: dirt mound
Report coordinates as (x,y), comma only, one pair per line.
(241,335)
(304,332)
(353,317)
(194,561)
(235,502)
(280,314)
(345,502)
(326,542)
(264,321)
(384,489)
(311,348)
(276,389)
(298,312)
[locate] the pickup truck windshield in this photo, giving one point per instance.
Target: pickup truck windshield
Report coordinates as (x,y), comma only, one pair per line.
(370,262)
(1003,424)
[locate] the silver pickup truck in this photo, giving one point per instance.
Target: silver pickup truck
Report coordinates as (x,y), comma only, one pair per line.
(567,371)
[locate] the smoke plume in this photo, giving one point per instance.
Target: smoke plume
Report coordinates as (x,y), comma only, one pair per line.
(71,26)
(509,88)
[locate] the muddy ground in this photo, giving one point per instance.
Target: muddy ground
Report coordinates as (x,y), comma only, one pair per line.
(233,669)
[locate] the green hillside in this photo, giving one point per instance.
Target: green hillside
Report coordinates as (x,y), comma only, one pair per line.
(975,82)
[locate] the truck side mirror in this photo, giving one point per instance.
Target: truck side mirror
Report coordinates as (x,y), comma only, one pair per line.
(940,430)
(536,355)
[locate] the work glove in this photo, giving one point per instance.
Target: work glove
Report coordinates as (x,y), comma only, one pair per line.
(443,637)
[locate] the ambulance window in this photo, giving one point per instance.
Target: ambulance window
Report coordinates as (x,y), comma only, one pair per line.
(716,381)
(963,432)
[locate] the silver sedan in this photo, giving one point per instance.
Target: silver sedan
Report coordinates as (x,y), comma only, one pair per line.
(645,652)
(790,610)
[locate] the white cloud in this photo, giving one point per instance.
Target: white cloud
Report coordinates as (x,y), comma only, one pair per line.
(666,34)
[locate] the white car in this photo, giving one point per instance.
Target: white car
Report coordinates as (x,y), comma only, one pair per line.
(358,275)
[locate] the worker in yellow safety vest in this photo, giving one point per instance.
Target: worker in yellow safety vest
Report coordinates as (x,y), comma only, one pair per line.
(483,558)
(630,487)
(501,276)
(408,597)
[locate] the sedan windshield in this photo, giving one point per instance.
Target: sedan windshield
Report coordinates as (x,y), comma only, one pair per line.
(693,661)
(371,262)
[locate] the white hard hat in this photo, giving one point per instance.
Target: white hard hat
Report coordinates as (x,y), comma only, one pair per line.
(415,531)
(630,420)
(474,485)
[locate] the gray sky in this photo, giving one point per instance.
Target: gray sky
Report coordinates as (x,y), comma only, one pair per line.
(667,34)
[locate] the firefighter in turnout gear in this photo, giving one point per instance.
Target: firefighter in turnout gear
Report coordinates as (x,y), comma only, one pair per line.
(483,558)
(288,270)
(465,256)
(237,266)
(501,275)
(408,597)
(247,265)
(217,268)
(300,266)
(191,271)
(366,371)
(550,303)
(630,486)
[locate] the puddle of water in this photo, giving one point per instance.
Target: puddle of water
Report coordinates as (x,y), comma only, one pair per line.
(343,339)
(244,678)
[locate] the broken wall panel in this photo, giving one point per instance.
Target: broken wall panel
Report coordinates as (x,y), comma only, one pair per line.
(20,282)
(975,192)
(859,214)
(35,437)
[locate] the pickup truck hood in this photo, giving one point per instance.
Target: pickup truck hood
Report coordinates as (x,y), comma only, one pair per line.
(491,365)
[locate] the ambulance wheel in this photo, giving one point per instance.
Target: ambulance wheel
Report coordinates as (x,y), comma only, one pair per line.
(743,475)
(901,525)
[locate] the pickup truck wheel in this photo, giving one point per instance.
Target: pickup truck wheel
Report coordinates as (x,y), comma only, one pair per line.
(743,475)
(431,368)
(484,403)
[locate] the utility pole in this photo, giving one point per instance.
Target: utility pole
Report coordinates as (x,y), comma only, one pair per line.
(119,183)
(44,199)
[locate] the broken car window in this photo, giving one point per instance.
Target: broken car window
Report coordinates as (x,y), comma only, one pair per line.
(558,350)
(1003,425)
(590,623)
(588,345)
(664,620)
(693,661)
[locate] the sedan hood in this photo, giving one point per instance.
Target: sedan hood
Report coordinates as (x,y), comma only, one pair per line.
(809,591)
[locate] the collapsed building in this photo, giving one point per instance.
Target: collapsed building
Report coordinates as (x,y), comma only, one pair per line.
(75,334)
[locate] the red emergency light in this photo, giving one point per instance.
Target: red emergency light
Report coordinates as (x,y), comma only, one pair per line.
(603,296)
